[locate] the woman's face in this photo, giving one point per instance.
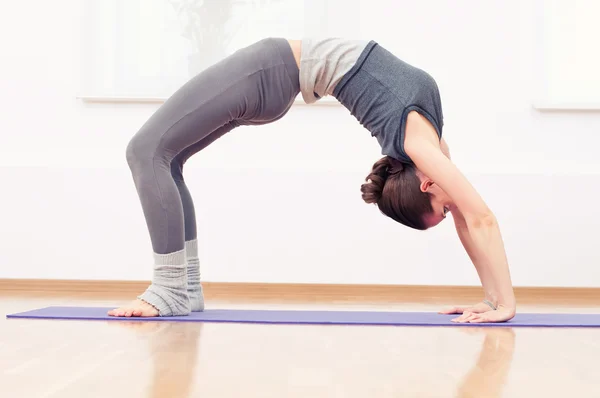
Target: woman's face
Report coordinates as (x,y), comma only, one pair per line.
(440,202)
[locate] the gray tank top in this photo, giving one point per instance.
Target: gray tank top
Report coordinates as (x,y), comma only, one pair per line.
(380,90)
(323,63)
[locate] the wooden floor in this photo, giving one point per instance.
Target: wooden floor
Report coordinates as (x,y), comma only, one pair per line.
(84,359)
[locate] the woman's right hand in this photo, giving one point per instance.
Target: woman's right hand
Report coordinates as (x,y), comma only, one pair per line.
(472,314)
(478,308)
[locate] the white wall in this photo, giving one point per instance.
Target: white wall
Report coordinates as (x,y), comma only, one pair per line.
(569,30)
(281,203)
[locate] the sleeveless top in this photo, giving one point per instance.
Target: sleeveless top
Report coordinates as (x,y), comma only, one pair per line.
(323,63)
(380,90)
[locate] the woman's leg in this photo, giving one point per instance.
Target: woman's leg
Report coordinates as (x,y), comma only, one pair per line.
(150,155)
(210,100)
(194,288)
(255,85)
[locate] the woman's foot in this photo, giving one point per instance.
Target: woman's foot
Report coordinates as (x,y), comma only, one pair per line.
(170,298)
(137,308)
(167,295)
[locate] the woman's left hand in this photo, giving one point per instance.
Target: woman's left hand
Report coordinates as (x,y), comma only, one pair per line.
(501,314)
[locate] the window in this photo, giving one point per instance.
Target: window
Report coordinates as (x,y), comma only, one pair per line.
(146,49)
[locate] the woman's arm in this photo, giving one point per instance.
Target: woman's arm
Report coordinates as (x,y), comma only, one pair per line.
(477,226)
(463,234)
(495,278)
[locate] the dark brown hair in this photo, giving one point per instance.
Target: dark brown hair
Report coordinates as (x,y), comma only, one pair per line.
(395,188)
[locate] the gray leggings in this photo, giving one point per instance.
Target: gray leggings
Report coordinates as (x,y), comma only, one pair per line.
(255,85)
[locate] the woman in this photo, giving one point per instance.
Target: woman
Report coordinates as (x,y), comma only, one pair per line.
(415,183)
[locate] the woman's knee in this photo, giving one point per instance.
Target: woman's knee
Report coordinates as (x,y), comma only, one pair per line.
(132,152)
(140,151)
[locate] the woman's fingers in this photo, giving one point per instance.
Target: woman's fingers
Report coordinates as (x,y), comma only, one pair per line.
(465,317)
(479,319)
(453,310)
(499,315)
(478,308)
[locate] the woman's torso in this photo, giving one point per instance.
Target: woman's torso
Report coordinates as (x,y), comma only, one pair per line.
(322,63)
(379,89)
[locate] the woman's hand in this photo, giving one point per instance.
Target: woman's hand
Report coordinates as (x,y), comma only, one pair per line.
(480,313)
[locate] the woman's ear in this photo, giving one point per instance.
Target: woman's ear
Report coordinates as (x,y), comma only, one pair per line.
(426,184)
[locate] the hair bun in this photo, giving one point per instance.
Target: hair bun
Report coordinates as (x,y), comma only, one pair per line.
(373,188)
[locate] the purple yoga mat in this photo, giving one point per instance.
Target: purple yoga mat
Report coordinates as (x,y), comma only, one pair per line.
(318,317)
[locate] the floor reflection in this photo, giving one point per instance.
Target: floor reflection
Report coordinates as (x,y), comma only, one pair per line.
(173,349)
(487,377)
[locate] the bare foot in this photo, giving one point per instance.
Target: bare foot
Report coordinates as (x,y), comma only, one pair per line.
(136,308)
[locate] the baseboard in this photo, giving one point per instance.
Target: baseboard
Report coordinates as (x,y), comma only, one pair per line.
(301,292)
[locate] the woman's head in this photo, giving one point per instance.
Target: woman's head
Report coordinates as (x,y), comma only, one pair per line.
(404,194)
